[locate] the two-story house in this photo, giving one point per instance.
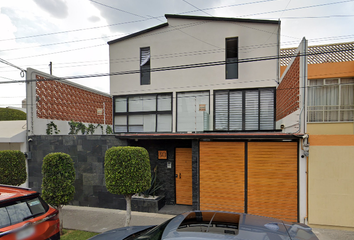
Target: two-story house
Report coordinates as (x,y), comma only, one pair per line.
(199,93)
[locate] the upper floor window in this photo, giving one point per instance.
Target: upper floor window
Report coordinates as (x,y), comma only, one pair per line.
(249,109)
(330,100)
(145,66)
(143,113)
(231,62)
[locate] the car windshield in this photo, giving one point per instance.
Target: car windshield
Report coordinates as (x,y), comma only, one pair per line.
(19,211)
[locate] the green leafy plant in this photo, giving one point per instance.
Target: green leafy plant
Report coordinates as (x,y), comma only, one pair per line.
(8,114)
(90,129)
(58,178)
(154,186)
(12,167)
(76,127)
(109,130)
(127,172)
(73,126)
(50,127)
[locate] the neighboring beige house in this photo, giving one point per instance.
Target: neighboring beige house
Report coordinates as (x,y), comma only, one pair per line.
(13,135)
(200,94)
(330,126)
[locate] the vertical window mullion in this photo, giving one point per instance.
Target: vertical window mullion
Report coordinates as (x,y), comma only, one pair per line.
(259,109)
(243,110)
(228,110)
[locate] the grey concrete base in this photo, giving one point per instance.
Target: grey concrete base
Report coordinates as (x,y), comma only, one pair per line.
(331,234)
(101,219)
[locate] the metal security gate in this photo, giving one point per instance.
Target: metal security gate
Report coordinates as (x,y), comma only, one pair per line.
(222,176)
(266,171)
(273,180)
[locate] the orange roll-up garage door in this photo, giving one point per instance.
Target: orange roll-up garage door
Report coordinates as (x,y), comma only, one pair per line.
(273,180)
(222,176)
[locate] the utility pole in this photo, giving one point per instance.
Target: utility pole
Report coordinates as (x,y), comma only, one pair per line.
(50,68)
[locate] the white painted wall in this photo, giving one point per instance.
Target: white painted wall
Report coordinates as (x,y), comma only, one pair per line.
(38,126)
(187,41)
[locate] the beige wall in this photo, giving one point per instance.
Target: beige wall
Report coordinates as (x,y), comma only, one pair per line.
(331,184)
(10,146)
(330,128)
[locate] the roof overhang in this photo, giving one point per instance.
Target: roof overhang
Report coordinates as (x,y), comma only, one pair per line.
(279,136)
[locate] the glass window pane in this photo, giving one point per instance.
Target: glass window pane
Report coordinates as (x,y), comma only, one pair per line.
(221,110)
(164,123)
(18,212)
(120,124)
(142,123)
(164,102)
(190,108)
(251,114)
(236,110)
(142,103)
(4,218)
(121,105)
(267,109)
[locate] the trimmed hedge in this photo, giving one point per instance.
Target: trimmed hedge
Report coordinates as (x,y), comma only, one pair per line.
(127,170)
(58,178)
(8,114)
(12,167)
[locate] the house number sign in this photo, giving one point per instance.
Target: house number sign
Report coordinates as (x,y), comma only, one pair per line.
(162,154)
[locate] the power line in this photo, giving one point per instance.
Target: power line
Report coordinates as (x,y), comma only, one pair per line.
(128,22)
(185,66)
(197,8)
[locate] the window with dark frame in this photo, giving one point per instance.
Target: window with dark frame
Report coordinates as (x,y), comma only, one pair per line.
(246,109)
(143,113)
(145,56)
(231,62)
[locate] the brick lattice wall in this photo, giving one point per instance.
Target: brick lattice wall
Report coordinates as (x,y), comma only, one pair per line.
(288,91)
(60,101)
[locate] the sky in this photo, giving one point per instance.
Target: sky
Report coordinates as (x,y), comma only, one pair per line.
(73,34)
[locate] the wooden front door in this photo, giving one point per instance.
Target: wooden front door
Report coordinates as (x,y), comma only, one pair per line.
(184,176)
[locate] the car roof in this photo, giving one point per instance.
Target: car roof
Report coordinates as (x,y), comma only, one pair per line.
(228,225)
(12,192)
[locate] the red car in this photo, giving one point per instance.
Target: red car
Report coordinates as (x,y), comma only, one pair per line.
(25,216)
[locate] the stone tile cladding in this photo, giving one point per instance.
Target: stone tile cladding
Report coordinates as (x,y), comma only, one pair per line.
(60,101)
(288,91)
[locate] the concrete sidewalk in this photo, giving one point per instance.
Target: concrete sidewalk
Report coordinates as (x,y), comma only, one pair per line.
(101,219)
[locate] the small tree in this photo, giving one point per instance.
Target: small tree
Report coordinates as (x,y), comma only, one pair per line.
(127,172)
(58,177)
(12,167)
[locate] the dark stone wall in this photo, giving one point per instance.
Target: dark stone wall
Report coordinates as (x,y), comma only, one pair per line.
(165,175)
(87,152)
(195,174)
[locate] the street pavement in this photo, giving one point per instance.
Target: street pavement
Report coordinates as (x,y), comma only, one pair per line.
(101,219)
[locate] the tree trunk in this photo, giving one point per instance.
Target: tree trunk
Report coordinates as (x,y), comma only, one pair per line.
(60,219)
(128,199)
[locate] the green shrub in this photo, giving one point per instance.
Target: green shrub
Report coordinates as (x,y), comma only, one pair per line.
(58,178)
(8,114)
(12,167)
(127,171)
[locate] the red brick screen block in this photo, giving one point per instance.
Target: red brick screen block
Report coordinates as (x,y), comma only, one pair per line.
(288,91)
(60,101)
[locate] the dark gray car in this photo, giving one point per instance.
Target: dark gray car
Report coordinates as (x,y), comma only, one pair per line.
(198,225)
